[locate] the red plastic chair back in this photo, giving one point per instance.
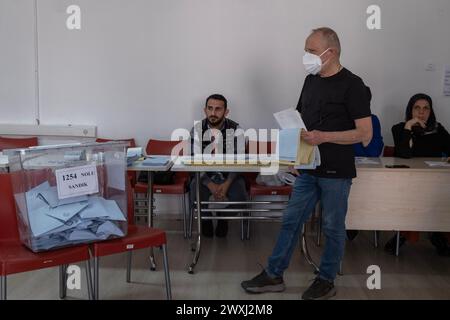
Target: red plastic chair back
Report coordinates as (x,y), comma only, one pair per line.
(388,151)
(13,143)
(162,147)
(262,147)
(8,219)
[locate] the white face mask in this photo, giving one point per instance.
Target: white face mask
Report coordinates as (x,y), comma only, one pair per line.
(312,62)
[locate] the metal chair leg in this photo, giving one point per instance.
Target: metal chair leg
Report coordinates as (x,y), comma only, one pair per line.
(341,272)
(191,221)
(242,227)
(3,288)
(62,281)
(375,239)
(319,227)
(96,277)
(89,279)
(247,235)
(397,244)
(184,216)
(166,273)
(129,257)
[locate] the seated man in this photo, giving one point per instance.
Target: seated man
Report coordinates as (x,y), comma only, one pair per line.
(217,135)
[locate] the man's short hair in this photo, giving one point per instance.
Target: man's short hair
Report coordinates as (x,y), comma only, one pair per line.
(330,36)
(217,97)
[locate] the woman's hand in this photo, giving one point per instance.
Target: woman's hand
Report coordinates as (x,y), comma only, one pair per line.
(411,123)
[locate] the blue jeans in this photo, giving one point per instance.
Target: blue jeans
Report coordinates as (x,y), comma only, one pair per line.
(307,190)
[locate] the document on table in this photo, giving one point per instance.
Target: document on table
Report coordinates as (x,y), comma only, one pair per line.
(366,160)
(437,163)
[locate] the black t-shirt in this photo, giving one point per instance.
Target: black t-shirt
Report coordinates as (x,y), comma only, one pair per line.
(332,104)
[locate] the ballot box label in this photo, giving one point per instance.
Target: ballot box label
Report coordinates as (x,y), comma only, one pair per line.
(76,181)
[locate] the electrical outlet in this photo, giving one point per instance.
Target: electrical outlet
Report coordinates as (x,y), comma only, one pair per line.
(430,66)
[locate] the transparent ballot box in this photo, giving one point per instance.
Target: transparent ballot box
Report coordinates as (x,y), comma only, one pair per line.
(69,194)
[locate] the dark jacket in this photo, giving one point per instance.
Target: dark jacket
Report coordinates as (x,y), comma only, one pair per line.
(433,143)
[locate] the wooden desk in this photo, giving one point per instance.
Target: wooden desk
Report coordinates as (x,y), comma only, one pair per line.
(410,199)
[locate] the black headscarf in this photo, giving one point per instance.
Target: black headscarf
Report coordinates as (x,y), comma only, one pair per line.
(431,123)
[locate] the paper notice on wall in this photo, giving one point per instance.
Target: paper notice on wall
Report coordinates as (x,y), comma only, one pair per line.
(447,80)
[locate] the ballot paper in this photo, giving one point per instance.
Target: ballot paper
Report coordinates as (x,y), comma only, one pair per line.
(81,235)
(41,222)
(289,119)
(55,223)
(50,196)
(134,152)
(67,211)
(365,160)
(108,229)
(156,161)
(437,163)
(293,150)
(99,207)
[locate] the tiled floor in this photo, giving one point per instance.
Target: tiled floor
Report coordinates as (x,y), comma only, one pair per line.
(418,273)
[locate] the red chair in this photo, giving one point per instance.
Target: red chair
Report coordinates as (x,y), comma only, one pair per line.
(16,258)
(138,237)
(259,190)
(13,143)
(180,185)
(388,151)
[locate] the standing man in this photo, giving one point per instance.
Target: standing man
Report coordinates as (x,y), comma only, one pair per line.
(218,135)
(336,111)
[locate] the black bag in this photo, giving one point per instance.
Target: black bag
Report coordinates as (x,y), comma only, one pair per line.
(163,178)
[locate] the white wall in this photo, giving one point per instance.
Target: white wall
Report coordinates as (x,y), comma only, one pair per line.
(141,68)
(17,62)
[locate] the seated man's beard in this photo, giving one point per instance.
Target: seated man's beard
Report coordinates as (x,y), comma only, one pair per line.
(214,120)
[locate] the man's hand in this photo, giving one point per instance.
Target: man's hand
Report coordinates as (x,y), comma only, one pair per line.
(214,188)
(293,171)
(222,190)
(314,137)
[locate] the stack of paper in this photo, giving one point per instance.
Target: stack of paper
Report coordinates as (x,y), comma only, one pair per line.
(437,163)
(365,160)
(216,159)
(57,222)
(133,154)
(293,150)
(156,161)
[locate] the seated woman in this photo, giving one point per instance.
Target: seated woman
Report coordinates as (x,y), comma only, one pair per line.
(421,136)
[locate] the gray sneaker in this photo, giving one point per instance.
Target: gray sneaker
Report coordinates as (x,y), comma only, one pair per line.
(263,283)
(320,289)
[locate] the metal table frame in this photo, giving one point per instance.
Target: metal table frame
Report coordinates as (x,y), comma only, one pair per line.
(136,167)
(233,168)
